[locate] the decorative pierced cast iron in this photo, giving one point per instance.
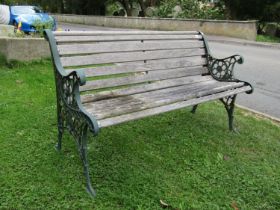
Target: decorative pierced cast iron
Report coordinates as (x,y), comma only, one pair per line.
(229,105)
(222,69)
(73,118)
(69,111)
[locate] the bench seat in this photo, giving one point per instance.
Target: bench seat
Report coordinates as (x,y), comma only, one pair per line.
(118,106)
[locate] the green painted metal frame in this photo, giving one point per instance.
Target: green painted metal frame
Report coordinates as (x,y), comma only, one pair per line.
(70,113)
(222,69)
(72,116)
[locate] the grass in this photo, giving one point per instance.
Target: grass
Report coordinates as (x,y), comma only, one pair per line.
(266,38)
(188,161)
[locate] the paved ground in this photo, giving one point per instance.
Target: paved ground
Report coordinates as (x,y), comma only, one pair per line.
(261,68)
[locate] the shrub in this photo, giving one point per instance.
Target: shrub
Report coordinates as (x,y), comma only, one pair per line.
(190,9)
(41,26)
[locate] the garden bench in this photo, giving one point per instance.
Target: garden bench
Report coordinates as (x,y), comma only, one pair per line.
(132,75)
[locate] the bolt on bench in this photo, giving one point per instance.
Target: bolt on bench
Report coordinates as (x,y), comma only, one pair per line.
(132,75)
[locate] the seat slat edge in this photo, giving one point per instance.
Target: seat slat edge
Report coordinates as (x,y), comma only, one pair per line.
(127,104)
(144,88)
(170,107)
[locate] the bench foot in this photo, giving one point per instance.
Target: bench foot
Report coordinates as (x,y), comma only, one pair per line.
(59,138)
(194,109)
(60,134)
(90,190)
(229,103)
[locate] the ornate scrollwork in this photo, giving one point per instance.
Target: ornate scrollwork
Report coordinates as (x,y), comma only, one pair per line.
(222,69)
(229,102)
(71,114)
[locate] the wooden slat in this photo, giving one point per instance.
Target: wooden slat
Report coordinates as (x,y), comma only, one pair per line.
(132,103)
(140,78)
(76,49)
(181,62)
(129,56)
(128,32)
(130,67)
(136,37)
(144,88)
(154,111)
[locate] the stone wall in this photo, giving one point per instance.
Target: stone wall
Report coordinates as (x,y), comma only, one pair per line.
(24,49)
(6,30)
(238,29)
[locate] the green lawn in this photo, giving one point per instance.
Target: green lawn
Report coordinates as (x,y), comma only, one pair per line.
(266,38)
(188,161)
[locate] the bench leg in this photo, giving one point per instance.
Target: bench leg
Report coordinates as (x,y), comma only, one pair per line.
(83,154)
(60,134)
(229,103)
(194,109)
(60,129)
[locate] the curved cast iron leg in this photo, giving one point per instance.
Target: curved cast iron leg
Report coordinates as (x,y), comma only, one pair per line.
(83,154)
(229,105)
(60,134)
(60,129)
(194,109)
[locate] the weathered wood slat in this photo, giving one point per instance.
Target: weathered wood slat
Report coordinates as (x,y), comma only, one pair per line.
(76,49)
(79,39)
(129,56)
(151,65)
(132,103)
(130,32)
(154,111)
(140,78)
(144,88)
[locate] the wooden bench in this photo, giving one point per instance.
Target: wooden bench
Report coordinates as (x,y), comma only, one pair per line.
(132,75)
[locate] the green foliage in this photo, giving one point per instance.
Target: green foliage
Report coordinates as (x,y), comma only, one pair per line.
(266,38)
(190,9)
(188,161)
(113,8)
(272,12)
(3,60)
(19,34)
(263,10)
(41,26)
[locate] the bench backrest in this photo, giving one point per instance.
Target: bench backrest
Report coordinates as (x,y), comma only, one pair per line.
(132,57)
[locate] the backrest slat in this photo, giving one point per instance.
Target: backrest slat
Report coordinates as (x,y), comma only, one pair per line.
(124,32)
(126,46)
(106,58)
(69,39)
(140,78)
(138,66)
(131,57)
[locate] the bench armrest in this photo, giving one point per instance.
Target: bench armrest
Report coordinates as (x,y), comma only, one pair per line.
(223,69)
(71,113)
(68,96)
